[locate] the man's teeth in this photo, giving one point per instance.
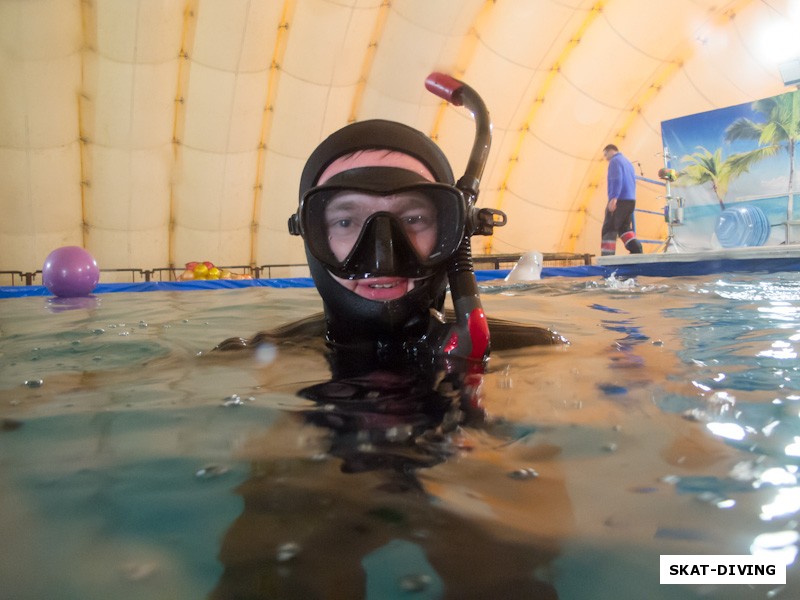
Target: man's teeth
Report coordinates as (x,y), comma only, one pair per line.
(383,285)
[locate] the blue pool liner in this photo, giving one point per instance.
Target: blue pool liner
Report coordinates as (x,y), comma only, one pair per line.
(659,269)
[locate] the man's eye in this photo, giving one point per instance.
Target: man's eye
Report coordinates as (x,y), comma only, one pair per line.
(343,225)
(419,221)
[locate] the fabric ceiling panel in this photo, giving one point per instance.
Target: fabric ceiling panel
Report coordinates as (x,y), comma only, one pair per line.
(280,196)
(130,189)
(127,111)
(146,32)
(40,193)
(217,196)
(129,105)
(39,102)
(41,213)
(153,131)
(528,33)
(327,42)
(452,19)
(52,206)
(302,107)
(234,35)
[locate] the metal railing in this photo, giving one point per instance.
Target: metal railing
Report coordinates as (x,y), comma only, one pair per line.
(550,259)
(134,275)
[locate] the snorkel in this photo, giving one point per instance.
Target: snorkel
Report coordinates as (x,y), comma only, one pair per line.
(469,337)
(379,245)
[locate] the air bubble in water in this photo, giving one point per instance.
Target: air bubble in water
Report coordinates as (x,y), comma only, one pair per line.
(137,571)
(266,353)
(34,383)
(233,400)
(287,551)
(211,471)
(399,434)
(415,583)
(506,382)
(716,500)
(525,473)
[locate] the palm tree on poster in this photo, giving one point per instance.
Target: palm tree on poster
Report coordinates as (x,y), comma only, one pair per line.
(707,167)
(780,130)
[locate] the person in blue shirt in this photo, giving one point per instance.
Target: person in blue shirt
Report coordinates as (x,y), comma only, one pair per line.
(618,219)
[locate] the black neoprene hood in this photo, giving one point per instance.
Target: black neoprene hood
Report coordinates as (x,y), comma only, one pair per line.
(350,317)
(376,134)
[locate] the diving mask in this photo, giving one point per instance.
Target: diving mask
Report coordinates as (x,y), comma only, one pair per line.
(381,221)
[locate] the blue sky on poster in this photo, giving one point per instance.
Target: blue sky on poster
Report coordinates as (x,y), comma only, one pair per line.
(684,135)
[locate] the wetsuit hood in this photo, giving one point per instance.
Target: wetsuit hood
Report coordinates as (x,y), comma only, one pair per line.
(351,318)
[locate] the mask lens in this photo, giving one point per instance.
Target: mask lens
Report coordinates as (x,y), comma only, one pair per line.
(347,213)
(418,226)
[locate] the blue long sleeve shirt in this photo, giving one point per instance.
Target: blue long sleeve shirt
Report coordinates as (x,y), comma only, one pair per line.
(621,178)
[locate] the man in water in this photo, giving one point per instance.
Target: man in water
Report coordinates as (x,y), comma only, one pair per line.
(618,219)
(386,229)
(381,219)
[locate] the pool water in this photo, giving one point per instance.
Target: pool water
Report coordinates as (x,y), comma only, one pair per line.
(137,463)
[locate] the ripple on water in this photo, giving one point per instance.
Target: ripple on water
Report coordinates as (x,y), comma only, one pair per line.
(97,353)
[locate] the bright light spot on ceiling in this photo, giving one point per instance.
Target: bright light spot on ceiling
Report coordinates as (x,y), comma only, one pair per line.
(780,42)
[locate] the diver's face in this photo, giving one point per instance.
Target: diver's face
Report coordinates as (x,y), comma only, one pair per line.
(348,211)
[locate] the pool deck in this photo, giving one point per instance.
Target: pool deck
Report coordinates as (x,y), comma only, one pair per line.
(769,259)
(749,259)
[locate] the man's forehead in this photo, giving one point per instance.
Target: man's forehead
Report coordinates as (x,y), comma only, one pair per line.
(375,158)
(359,198)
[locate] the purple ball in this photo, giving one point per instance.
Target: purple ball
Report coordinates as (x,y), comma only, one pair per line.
(70,271)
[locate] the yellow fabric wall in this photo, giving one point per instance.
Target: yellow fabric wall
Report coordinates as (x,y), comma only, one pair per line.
(162,131)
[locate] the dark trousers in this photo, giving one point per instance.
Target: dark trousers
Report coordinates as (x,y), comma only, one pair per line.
(620,223)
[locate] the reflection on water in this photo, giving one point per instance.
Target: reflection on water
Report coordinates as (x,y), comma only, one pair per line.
(357,519)
(135,463)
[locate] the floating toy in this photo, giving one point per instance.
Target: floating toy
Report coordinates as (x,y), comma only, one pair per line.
(528,267)
(70,272)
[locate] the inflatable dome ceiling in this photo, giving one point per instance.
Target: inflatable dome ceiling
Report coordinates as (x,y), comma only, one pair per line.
(156,132)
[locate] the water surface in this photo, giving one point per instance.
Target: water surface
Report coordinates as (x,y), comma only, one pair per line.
(134,463)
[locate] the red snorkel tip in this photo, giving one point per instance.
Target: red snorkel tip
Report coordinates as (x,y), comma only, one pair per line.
(445,87)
